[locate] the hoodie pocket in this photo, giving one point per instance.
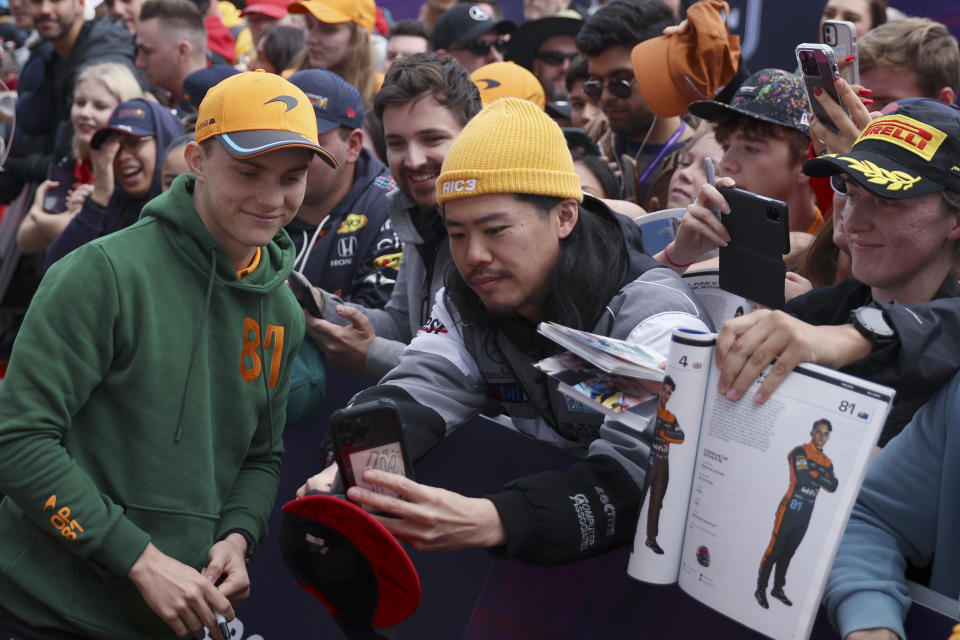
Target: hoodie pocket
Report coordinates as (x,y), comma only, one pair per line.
(184,535)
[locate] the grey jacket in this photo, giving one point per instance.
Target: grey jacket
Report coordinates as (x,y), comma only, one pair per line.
(452,370)
(409,305)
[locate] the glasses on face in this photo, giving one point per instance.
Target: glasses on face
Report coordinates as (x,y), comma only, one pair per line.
(555,58)
(839,185)
(129,143)
(618,88)
(480,47)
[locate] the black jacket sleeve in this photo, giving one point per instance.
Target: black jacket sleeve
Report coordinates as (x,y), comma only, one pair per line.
(925,352)
(557,517)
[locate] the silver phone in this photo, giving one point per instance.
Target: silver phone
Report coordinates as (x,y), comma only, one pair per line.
(841,36)
(818,65)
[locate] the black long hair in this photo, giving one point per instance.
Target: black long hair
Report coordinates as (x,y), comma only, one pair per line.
(593,265)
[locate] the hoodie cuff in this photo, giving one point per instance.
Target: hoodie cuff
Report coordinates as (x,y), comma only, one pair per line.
(122,547)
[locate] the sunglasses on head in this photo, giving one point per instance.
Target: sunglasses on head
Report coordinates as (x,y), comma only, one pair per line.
(480,47)
(555,58)
(618,88)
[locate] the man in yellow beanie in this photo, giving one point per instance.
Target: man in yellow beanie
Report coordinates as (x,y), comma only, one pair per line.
(528,247)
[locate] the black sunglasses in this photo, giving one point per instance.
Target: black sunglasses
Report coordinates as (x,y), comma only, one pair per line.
(619,88)
(480,47)
(555,58)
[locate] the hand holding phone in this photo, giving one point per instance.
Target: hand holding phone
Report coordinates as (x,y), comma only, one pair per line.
(752,265)
(369,435)
(303,292)
(59,182)
(818,64)
(841,36)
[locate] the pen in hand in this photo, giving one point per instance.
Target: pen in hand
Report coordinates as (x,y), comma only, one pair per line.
(712,181)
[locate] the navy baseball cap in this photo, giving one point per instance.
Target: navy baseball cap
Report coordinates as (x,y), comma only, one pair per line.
(912,150)
(463,22)
(132,117)
(196,85)
(335,101)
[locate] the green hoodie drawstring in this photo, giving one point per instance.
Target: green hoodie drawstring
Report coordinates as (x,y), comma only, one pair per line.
(196,346)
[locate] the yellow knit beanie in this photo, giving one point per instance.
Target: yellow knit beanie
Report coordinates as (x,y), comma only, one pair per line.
(510,147)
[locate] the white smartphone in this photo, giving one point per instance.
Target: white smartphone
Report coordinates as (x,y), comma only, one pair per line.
(841,36)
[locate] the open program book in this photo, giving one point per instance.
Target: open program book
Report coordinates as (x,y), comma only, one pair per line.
(745,503)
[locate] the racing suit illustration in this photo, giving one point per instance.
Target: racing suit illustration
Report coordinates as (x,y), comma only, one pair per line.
(810,470)
(665,432)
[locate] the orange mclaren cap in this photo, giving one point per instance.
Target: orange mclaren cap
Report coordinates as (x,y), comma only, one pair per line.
(255,112)
(361,12)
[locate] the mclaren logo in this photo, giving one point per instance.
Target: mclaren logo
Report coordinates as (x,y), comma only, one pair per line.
(290,101)
(490,83)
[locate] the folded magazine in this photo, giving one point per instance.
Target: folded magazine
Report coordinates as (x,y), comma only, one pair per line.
(745,503)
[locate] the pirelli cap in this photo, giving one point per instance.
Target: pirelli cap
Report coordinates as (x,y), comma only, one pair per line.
(912,150)
(255,112)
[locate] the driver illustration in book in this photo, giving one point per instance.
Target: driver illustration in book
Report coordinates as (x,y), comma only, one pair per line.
(810,470)
(666,431)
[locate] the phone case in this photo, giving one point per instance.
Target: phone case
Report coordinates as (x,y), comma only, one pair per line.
(818,65)
(751,265)
(841,36)
(55,199)
(369,427)
(301,291)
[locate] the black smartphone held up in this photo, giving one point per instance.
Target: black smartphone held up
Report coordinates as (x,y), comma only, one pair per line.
(751,265)
(841,36)
(55,200)
(818,65)
(301,291)
(369,435)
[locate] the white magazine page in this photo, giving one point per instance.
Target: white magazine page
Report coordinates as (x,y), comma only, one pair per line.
(773,489)
(721,305)
(673,437)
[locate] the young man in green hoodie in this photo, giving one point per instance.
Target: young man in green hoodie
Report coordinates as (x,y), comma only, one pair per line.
(141,416)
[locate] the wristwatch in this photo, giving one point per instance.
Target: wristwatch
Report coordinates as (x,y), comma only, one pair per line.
(871,324)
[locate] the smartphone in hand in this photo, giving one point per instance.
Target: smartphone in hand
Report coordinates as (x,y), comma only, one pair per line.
(841,36)
(818,64)
(55,200)
(751,265)
(302,292)
(369,435)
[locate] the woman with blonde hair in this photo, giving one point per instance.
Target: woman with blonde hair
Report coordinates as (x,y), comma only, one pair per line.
(337,35)
(97,92)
